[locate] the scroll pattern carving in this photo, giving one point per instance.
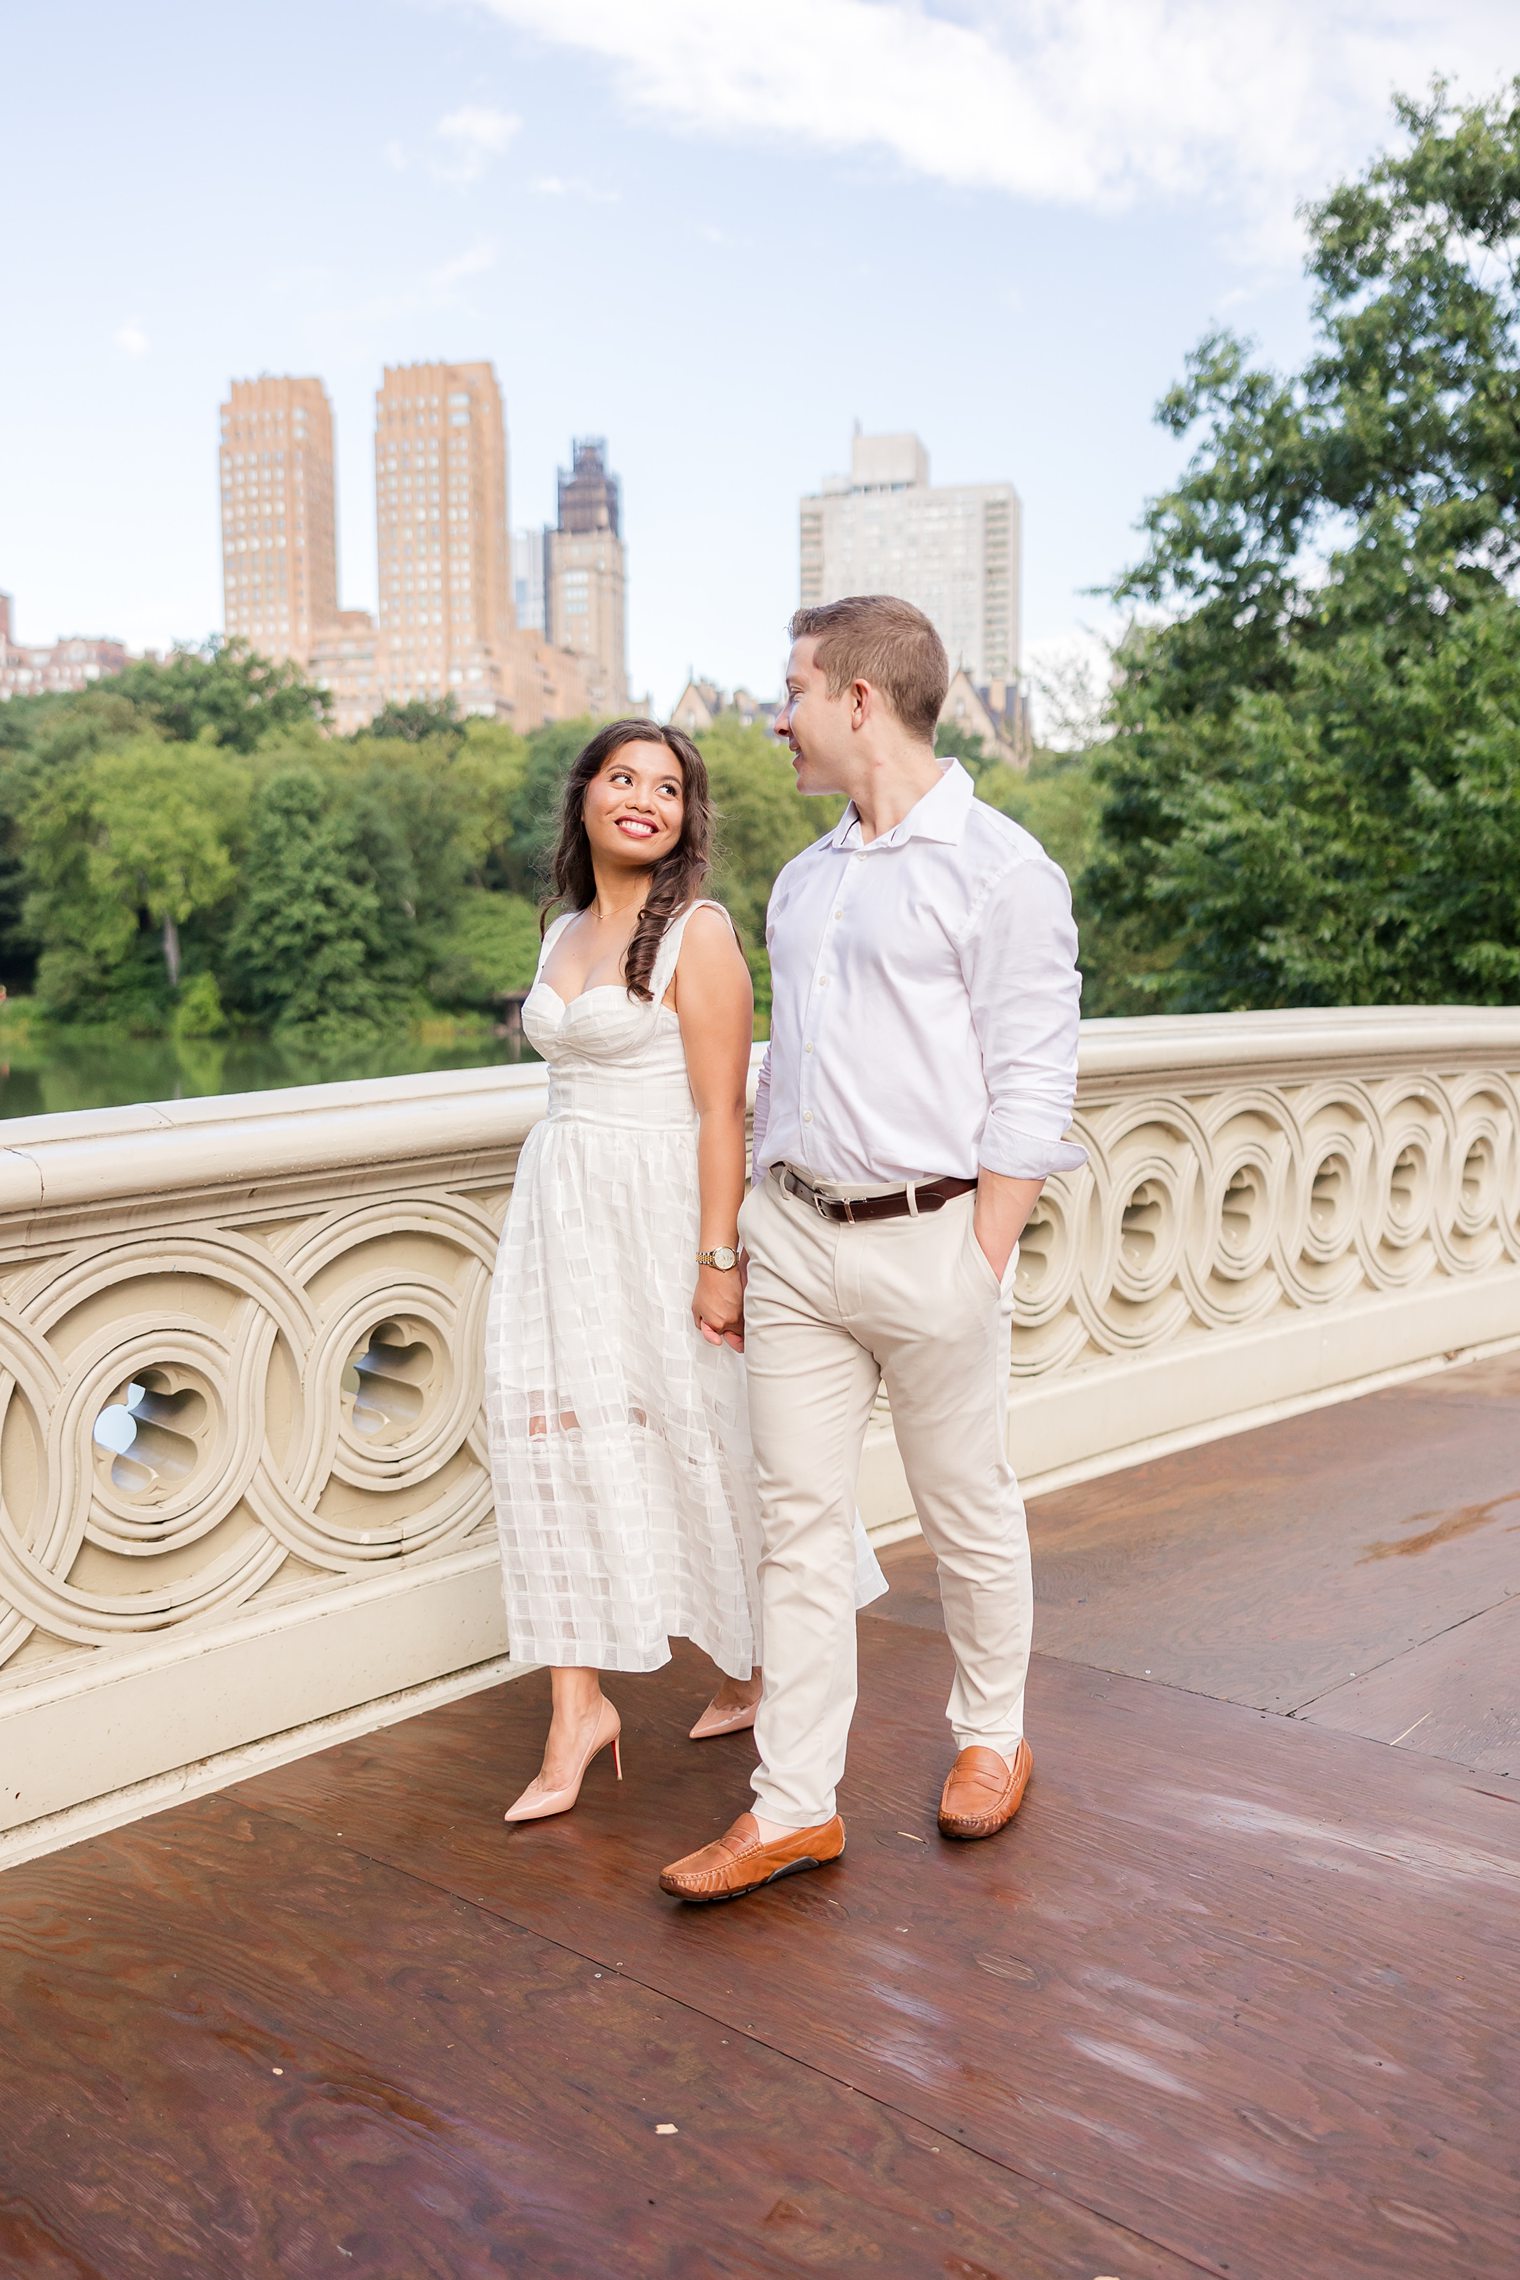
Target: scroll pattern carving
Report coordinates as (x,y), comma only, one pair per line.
(192,1417)
(1205,1210)
(257,1377)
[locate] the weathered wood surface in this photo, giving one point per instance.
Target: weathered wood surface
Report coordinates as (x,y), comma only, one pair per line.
(233,2047)
(1273,1566)
(1455,1696)
(1234,1984)
(1238,1993)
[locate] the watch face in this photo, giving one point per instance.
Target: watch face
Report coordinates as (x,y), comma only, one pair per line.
(724,1258)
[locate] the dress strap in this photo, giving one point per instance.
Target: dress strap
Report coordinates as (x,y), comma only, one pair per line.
(669,952)
(552,933)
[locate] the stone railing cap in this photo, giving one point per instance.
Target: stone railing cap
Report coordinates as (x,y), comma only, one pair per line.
(96,1155)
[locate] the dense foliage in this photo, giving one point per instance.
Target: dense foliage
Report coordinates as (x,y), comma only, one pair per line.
(1312,790)
(185,847)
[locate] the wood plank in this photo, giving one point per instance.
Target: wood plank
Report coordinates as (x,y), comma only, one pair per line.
(1241,1986)
(264,2054)
(1274,1565)
(1457,1696)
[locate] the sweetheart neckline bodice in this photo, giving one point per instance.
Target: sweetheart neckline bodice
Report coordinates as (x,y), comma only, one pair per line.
(595,991)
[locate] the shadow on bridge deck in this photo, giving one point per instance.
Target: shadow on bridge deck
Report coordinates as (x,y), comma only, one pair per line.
(1236,1994)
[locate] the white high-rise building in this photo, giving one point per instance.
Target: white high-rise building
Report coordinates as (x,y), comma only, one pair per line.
(953,550)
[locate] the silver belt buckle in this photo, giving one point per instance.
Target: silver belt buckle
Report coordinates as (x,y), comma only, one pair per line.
(804,1191)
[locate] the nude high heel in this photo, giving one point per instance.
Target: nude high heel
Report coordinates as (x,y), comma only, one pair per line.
(536,1804)
(715,1721)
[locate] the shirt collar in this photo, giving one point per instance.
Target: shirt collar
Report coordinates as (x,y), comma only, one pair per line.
(940,814)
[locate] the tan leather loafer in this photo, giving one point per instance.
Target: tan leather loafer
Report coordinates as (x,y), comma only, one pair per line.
(741,1861)
(982,1792)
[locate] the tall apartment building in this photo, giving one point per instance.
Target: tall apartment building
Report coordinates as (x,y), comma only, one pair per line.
(586,576)
(348,661)
(446,617)
(447,624)
(279,521)
(954,550)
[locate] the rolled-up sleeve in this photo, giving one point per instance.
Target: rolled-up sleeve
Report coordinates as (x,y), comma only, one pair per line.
(1019,956)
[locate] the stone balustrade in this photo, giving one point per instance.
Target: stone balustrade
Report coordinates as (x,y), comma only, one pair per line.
(243,1503)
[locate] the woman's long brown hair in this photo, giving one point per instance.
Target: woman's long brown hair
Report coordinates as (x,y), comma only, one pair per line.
(679,877)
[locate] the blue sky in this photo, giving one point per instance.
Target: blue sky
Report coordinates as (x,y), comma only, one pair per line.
(715,231)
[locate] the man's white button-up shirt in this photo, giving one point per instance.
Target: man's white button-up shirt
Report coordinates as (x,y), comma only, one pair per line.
(925,1001)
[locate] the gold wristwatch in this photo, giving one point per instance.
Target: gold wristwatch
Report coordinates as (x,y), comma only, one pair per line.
(725,1258)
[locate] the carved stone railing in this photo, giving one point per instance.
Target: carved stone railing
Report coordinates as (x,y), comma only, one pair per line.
(1279,1209)
(243,1506)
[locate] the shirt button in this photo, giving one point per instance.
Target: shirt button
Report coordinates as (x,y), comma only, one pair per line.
(839,914)
(807,1116)
(808,1047)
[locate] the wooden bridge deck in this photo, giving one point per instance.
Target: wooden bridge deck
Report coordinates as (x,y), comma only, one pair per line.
(1238,1994)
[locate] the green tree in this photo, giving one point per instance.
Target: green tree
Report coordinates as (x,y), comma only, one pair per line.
(416,720)
(534,815)
(763,821)
(952,743)
(132,841)
(223,691)
(39,737)
(489,949)
(312,946)
(163,830)
(488,770)
(1310,796)
(1058,798)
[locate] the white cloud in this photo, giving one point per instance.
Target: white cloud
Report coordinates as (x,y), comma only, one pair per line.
(130,338)
(475,135)
(473,262)
(1094,103)
(571,186)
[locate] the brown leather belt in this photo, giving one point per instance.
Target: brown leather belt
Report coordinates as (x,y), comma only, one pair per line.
(928,1195)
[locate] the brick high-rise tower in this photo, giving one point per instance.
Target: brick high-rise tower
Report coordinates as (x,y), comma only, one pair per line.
(446,616)
(279,527)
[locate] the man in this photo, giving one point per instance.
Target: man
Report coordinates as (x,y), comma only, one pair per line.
(913,1099)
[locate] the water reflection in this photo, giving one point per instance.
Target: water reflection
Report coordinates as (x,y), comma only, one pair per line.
(87,1069)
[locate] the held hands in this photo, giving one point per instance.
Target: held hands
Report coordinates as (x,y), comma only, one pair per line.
(717,1306)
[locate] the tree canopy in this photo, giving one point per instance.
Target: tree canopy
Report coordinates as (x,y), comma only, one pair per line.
(186,845)
(1312,790)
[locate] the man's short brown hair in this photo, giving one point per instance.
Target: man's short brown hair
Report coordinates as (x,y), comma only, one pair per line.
(877,638)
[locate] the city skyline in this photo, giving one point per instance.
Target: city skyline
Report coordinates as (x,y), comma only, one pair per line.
(447,626)
(717,234)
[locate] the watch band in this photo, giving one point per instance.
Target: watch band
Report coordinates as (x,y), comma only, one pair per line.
(723,1256)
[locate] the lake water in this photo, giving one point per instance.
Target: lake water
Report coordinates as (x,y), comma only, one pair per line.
(44,1077)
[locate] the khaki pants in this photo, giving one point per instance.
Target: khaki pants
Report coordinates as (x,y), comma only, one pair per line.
(831,1311)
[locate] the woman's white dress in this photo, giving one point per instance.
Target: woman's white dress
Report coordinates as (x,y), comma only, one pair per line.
(620,1452)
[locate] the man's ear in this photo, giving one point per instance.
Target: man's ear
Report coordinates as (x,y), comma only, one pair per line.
(862,696)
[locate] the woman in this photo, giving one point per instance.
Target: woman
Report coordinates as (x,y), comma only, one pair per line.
(615,1400)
